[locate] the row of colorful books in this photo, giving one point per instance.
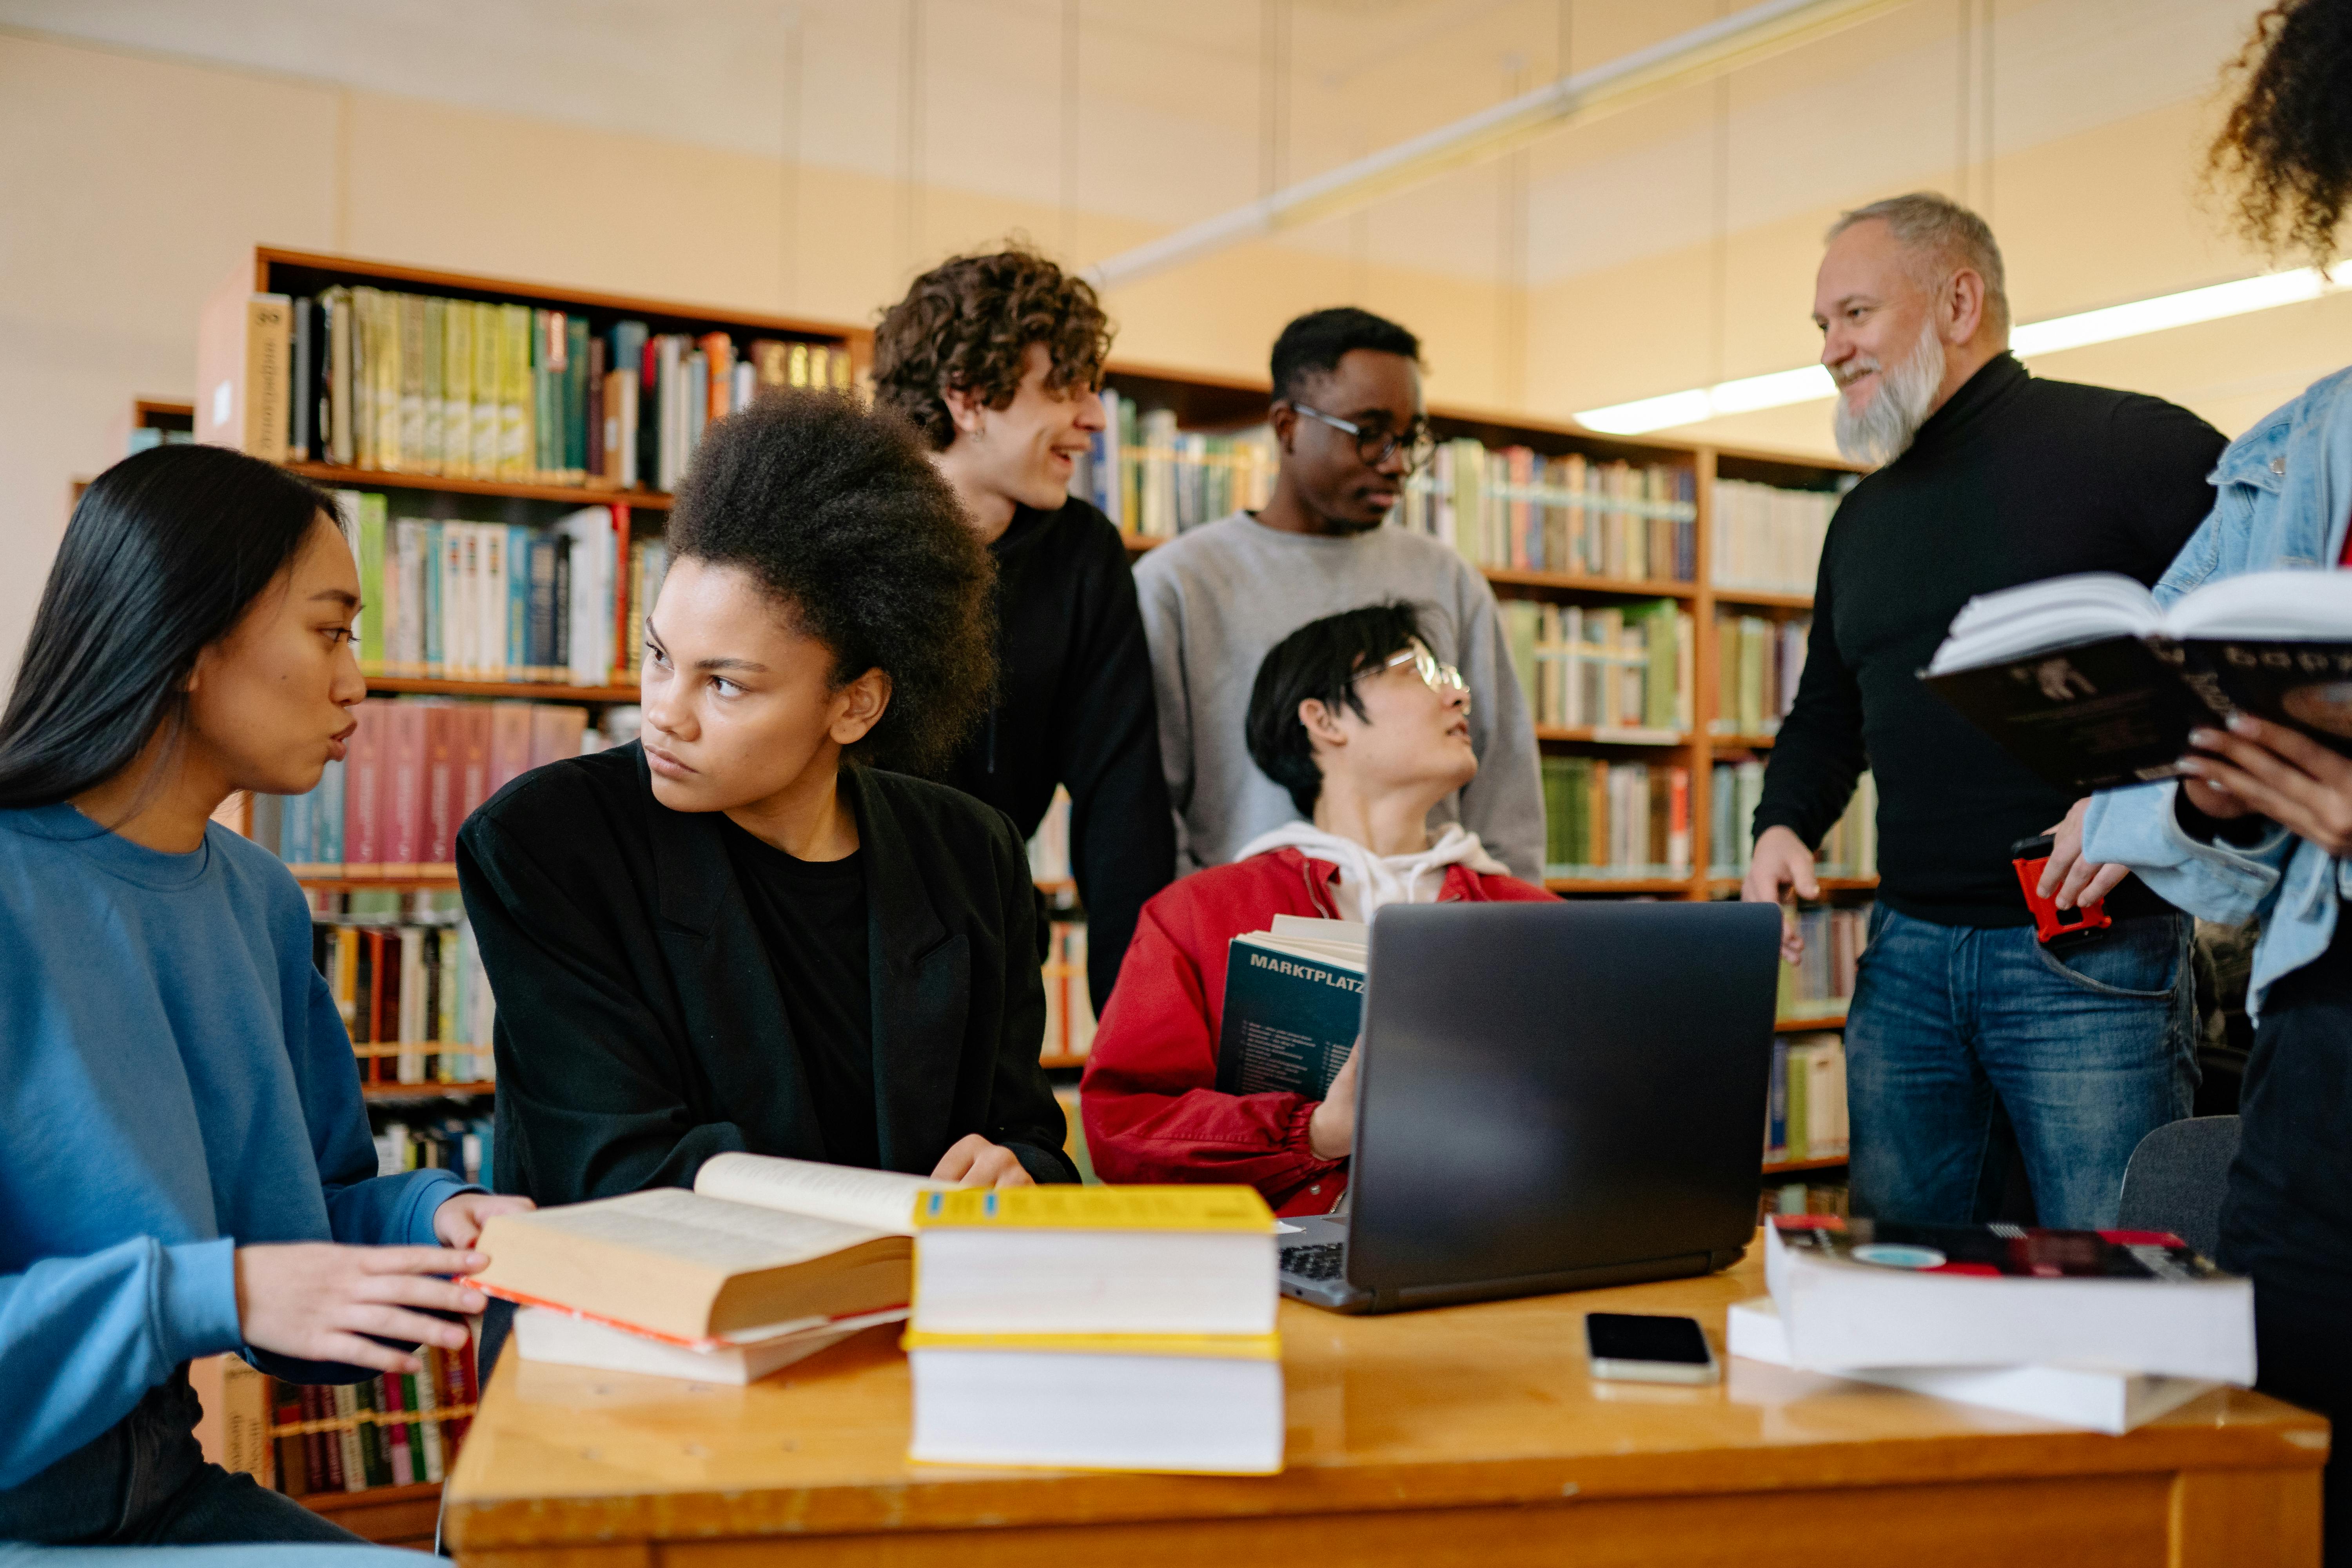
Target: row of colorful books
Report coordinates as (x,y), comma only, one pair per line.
(484,390)
(1766,538)
(1815,1197)
(1821,984)
(1850,848)
(395,1429)
(1512,508)
(1805,1115)
(1615,819)
(458,1143)
(487,601)
(412,772)
(1758,665)
(413,998)
(1155,480)
(1615,668)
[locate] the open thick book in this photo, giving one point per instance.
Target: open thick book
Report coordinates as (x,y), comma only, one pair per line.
(2086,682)
(761,1247)
(1293,1006)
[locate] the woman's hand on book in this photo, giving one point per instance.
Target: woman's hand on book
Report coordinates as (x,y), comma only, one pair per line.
(458,1221)
(2067,876)
(1782,863)
(2284,774)
(317,1300)
(977,1163)
(1331,1130)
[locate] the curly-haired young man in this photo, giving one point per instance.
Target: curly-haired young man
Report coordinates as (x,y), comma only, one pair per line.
(996,359)
(1347,415)
(743,932)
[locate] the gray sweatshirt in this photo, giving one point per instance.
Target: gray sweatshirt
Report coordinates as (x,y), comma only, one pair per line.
(1216,600)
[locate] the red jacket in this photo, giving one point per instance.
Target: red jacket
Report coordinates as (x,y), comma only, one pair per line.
(1149,1103)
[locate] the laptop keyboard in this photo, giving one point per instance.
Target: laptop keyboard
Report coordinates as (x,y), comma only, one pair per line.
(1319,1260)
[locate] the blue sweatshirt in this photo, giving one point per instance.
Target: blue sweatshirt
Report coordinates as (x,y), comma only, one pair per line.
(174,1082)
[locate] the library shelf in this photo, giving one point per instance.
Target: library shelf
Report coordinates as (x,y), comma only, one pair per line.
(1056,1060)
(335,477)
(1617,884)
(379,1092)
(1603,735)
(1789,1167)
(1763,599)
(389,1516)
(379,884)
(1631,587)
(1742,743)
(1718,886)
(1804,1026)
(544,690)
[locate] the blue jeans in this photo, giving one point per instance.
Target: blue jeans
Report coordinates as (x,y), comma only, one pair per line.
(143,1482)
(2087,1051)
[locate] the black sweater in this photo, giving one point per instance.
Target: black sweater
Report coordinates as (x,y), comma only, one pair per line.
(2012,481)
(640,1025)
(1074,707)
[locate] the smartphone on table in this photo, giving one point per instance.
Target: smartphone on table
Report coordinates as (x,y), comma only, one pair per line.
(1640,1348)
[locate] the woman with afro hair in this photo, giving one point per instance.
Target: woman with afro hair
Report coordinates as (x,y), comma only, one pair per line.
(741,933)
(2261,825)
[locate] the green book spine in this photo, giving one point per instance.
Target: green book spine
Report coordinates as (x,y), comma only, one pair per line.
(1800,1069)
(373,625)
(575,397)
(1658,680)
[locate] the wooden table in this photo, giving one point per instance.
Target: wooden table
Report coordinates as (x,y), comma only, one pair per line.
(1464,1436)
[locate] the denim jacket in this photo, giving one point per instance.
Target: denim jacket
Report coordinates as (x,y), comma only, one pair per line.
(2284,488)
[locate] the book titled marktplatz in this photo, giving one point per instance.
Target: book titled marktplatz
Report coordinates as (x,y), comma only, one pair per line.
(1293,1006)
(2088,683)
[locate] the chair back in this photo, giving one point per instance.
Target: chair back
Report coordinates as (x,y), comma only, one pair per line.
(2176,1178)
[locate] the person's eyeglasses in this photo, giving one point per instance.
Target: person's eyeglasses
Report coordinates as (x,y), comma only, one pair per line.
(1441,679)
(1375,445)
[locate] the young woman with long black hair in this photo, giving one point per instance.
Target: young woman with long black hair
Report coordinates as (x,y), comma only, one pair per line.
(187,1167)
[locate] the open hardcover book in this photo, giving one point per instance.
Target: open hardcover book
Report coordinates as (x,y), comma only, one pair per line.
(2085,682)
(763,1248)
(1293,1006)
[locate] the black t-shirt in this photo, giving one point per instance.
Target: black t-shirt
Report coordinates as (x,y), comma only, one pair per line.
(811,916)
(2013,479)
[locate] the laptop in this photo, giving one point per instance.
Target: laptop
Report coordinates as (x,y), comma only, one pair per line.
(1553,1097)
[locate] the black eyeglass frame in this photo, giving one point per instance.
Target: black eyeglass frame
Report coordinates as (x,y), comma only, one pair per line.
(1372,447)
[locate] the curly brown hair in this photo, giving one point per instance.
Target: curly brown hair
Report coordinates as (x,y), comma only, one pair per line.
(2287,146)
(967,324)
(839,514)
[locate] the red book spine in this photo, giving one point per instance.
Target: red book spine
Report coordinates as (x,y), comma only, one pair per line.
(327,1467)
(395,1433)
(474,720)
(401,832)
(442,788)
(510,739)
(363,792)
(293,1449)
(624,636)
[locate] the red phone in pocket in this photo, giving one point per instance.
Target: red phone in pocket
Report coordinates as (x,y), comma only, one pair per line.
(2056,927)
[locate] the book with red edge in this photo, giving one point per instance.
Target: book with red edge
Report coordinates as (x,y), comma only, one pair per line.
(1865,1293)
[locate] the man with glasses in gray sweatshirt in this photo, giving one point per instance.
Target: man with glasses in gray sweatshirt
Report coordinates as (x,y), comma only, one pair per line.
(1347,417)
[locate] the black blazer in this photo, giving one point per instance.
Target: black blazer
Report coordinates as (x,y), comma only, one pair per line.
(640,1030)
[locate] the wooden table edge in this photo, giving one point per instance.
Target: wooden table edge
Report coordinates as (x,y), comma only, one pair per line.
(957,1500)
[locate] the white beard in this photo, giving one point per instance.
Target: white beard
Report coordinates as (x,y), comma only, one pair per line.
(1882,431)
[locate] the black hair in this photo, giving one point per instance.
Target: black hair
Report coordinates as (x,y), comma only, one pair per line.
(1321,659)
(1312,345)
(165,552)
(2287,146)
(838,513)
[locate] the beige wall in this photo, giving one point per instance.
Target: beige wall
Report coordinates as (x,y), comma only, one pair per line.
(129,186)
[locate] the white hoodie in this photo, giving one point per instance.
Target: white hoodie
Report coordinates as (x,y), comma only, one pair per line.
(1368,880)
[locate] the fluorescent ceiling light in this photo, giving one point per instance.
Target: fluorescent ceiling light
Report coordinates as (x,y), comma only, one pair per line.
(2104,326)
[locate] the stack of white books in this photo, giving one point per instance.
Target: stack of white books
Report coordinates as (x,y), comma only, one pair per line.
(1096,1328)
(2103,1329)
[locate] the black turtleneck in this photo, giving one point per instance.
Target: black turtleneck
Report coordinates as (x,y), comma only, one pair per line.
(1073,707)
(2012,481)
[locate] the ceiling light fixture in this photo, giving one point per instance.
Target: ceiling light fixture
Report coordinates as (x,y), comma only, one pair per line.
(2103,326)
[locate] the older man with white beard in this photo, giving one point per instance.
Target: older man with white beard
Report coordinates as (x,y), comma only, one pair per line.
(1989,477)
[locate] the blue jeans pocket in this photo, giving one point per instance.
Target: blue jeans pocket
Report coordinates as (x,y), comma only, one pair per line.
(2139,957)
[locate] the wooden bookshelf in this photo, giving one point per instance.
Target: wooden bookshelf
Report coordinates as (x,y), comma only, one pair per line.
(332,477)
(389,1516)
(534,690)
(377,1093)
(1808,1026)
(1594,735)
(1790,1167)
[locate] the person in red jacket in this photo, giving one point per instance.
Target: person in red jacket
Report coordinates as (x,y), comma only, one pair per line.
(1356,718)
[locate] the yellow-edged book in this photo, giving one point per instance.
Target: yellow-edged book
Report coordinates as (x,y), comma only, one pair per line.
(1096,1328)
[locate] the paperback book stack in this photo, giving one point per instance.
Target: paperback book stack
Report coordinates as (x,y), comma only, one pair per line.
(1513,508)
(1096,1328)
(1154,481)
(2103,1329)
(1805,1115)
(1624,670)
